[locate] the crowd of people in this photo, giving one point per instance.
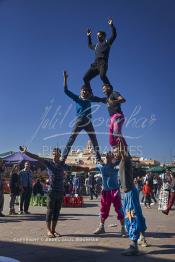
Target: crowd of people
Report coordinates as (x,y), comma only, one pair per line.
(153,187)
(83,185)
(22,186)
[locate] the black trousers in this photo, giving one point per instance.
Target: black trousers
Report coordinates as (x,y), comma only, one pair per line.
(153,197)
(1,201)
(82,124)
(54,203)
(147,200)
(99,67)
(92,193)
(25,199)
(155,189)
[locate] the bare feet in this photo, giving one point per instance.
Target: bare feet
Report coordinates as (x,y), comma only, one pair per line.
(50,234)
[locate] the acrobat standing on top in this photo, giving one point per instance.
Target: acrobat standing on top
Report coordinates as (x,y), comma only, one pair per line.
(102,49)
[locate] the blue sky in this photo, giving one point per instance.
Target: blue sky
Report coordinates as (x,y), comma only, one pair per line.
(39,39)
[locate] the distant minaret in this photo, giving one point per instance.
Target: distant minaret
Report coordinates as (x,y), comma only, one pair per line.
(88,148)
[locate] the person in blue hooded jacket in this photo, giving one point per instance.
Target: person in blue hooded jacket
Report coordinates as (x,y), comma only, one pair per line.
(83,120)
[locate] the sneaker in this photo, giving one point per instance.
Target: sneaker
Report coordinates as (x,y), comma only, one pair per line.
(123,232)
(21,213)
(2,215)
(131,251)
(142,242)
(100,230)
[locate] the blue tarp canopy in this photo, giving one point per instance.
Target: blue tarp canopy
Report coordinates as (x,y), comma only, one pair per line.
(6,154)
(18,157)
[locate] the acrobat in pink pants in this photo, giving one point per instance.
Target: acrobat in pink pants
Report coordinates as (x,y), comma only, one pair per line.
(108,198)
(115,130)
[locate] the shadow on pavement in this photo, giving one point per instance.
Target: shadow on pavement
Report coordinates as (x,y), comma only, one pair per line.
(93,253)
(170,250)
(106,235)
(84,206)
(79,215)
(160,234)
(8,220)
(32,217)
(90,205)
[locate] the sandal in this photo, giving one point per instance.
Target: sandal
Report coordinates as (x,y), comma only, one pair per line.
(56,234)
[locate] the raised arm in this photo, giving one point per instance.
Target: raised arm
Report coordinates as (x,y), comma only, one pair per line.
(89,33)
(36,157)
(114,32)
(68,92)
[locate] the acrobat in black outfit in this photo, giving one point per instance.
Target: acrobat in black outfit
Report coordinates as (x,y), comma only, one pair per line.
(102,49)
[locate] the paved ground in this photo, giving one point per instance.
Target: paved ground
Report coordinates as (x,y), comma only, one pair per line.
(23,237)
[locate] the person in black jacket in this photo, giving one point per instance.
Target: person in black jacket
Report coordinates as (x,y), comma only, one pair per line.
(102,49)
(38,188)
(14,188)
(38,192)
(92,186)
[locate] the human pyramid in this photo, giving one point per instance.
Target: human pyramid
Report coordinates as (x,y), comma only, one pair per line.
(117,161)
